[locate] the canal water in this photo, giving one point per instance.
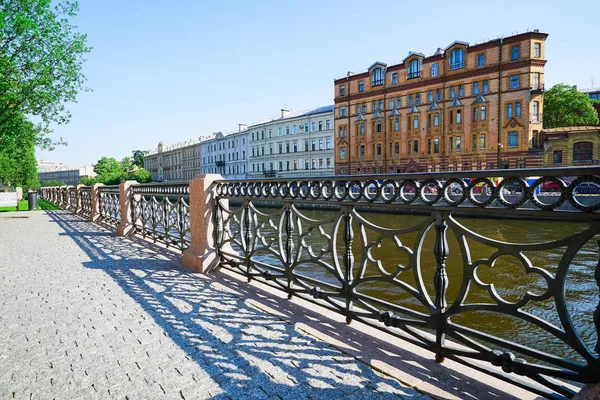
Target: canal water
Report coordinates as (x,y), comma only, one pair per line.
(508,275)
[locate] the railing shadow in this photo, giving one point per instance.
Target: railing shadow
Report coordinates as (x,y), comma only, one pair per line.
(242,348)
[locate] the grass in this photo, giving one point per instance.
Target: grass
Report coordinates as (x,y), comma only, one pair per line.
(24,206)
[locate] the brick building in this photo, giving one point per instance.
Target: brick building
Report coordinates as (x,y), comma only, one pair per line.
(465,107)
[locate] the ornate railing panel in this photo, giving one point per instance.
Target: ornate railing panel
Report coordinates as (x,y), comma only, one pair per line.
(109,204)
(162,212)
(72,198)
(85,195)
(438,284)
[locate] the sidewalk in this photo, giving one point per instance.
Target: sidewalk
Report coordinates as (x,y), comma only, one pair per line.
(87,315)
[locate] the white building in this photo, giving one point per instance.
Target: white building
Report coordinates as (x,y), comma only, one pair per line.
(226,154)
(294,145)
(67,175)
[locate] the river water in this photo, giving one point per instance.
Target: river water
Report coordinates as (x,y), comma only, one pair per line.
(508,275)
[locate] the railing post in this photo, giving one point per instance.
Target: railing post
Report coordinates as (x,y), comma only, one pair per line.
(65,197)
(202,255)
(125,193)
(440,282)
(95,214)
(78,196)
(348,261)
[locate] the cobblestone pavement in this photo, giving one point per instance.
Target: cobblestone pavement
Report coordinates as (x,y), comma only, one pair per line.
(87,315)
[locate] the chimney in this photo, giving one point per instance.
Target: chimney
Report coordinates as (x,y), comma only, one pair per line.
(284,113)
(242,127)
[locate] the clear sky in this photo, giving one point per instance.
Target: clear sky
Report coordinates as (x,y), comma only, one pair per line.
(175,70)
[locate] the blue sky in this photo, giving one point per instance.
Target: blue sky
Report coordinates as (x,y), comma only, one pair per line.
(176,70)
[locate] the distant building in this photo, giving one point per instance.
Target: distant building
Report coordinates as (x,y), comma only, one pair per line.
(48,166)
(572,146)
(294,145)
(594,94)
(226,154)
(177,162)
(464,107)
(68,175)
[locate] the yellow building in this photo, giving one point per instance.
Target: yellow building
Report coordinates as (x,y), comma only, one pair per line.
(465,107)
(572,146)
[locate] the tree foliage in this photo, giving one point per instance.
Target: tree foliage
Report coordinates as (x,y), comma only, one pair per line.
(18,166)
(112,172)
(138,158)
(565,106)
(52,183)
(41,59)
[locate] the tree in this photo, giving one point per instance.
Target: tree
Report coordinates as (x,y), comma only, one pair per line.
(138,158)
(141,175)
(52,183)
(41,59)
(109,171)
(18,166)
(565,106)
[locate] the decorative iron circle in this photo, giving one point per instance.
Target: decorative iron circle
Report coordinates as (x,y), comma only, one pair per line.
(294,190)
(424,185)
(314,190)
(327,190)
(283,190)
(446,189)
(236,189)
(402,191)
(341,190)
(489,184)
(394,190)
(303,190)
(371,197)
(524,190)
(266,189)
(539,182)
(274,189)
(244,189)
(355,190)
(573,186)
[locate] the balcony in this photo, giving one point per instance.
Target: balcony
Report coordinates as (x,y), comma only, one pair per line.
(220,163)
(537,89)
(270,173)
(412,75)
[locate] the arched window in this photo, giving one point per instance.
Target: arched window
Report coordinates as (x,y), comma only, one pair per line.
(582,151)
(414,69)
(434,70)
(377,77)
(457,59)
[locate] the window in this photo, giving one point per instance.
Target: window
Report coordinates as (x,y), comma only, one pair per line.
(280,148)
(436,119)
(361,86)
(458,117)
(480,60)
(377,77)
(514,82)
(313,145)
(513,139)
(518,109)
(381,104)
(482,141)
(395,78)
(362,151)
(430,96)
(416,147)
(461,90)
(295,147)
(306,124)
(320,144)
(362,129)
(475,87)
(414,69)
(434,70)
(436,145)
(483,115)
(320,126)
(509,110)
(536,110)
(396,148)
(364,108)
(280,131)
(557,157)
(378,150)
(537,50)
(398,102)
(287,130)
(429,120)
(485,86)
(536,80)
(474,114)
(397,124)
(328,144)
(342,114)
(295,129)
(418,98)
(452,92)
(342,131)
(378,125)
(342,90)
(374,105)
(451,117)
(438,94)
(474,142)
(514,53)
(450,144)
(582,151)
(415,122)
(342,156)
(409,147)
(392,103)
(457,143)
(457,59)
(287,147)
(306,145)
(313,126)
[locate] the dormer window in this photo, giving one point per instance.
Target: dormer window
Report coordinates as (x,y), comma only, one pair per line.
(457,59)
(377,77)
(414,69)
(434,70)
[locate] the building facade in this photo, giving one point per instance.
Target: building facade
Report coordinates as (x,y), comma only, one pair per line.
(68,175)
(465,107)
(180,161)
(226,154)
(294,145)
(572,146)
(48,166)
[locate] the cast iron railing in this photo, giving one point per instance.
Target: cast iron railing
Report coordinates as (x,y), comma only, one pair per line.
(109,204)
(333,260)
(72,198)
(85,195)
(162,212)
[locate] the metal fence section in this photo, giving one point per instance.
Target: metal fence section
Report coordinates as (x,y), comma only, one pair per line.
(85,195)
(162,212)
(109,204)
(333,260)
(72,192)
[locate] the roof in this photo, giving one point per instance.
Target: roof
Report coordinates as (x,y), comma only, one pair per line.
(303,113)
(457,42)
(566,129)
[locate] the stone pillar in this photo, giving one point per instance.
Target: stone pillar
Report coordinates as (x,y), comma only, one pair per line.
(95,202)
(202,256)
(64,197)
(78,206)
(125,193)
